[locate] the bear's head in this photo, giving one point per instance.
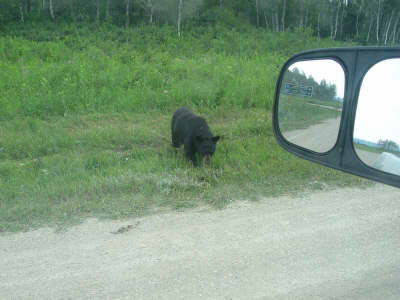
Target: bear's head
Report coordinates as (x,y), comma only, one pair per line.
(206,146)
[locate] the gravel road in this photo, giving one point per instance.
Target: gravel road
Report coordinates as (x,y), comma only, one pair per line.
(337,244)
(319,137)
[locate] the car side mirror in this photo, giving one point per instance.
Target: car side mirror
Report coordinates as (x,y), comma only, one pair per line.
(341,108)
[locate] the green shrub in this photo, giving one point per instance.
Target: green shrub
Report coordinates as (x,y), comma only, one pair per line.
(82,69)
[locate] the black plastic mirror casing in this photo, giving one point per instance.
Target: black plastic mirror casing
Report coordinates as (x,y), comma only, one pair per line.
(356,61)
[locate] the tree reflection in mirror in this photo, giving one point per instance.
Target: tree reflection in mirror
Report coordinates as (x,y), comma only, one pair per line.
(310,103)
(376,135)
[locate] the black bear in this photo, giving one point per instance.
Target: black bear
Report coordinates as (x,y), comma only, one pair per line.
(193,132)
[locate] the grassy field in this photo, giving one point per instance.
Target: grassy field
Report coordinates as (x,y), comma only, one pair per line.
(85,122)
(332,104)
(299,113)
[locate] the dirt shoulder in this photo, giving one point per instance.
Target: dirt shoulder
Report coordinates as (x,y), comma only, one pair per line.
(341,243)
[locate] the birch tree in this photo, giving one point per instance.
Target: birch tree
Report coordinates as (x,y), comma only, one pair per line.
(97,11)
(149,7)
(108,9)
(175,11)
(394,31)
(127,13)
(388,24)
(283,16)
(378,19)
(51,9)
(257,12)
(270,10)
(179,18)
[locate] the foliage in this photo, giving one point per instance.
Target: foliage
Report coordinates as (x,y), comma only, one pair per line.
(122,165)
(84,124)
(365,22)
(77,69)
(319,90)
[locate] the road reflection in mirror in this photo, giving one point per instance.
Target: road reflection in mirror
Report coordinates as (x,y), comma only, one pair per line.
(376,135)
(310,104)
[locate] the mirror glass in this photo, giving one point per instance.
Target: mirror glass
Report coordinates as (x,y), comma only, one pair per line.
(310,103)
(376,135)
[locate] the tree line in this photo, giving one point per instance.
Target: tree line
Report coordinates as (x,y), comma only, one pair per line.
(389,145)
(362,21)
(298,83)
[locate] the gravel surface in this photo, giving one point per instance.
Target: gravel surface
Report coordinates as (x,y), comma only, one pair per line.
(337,244)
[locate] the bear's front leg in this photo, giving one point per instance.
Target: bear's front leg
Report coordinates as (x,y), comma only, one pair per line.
(190,152)
(175,140)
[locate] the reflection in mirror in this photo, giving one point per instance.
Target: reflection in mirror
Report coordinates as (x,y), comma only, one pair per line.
(376,135)
(310,103)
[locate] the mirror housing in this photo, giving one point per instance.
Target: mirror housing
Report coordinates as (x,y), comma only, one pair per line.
(344,152)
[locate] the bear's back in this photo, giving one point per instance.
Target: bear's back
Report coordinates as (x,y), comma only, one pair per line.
(185,122)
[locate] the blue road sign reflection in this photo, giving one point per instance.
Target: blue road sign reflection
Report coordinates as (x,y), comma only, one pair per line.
(291,88)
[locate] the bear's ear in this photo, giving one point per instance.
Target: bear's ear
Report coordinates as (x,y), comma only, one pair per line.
(215,138)
(199,138)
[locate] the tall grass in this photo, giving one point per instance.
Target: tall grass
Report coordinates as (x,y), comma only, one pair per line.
(85,112)
(136,70)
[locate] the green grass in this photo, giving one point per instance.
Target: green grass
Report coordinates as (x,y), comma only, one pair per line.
(122,164)
(298,113)
(85,121)
(328,103)
(84,69)
(368,148)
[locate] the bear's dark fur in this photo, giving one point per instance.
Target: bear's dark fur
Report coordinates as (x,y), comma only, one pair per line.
(193,132)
